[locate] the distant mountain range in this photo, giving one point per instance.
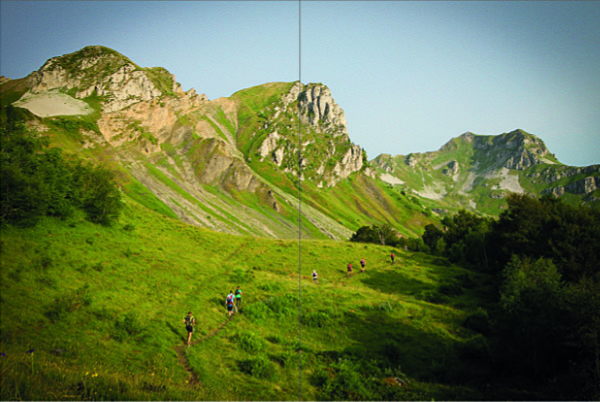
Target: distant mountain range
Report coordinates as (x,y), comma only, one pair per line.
(231,164)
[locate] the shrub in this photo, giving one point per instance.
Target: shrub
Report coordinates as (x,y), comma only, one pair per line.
(478,321)
(127,325)
(432,296)
(258,366)
(99,196)
(69,302)
(256,312)
(450,289)
(317,319)
(240,275)
(476,348)
(283,306)
(250,342)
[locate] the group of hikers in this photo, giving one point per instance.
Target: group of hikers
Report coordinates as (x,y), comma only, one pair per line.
(363,265)
(233,301)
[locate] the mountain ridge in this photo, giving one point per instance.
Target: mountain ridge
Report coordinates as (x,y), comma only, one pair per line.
(232,164)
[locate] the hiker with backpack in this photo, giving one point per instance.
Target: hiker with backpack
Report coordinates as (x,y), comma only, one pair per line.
(189,322)
(314,275)
(238,298)
(392,257)
(363,264)
(230,303)
(349,269)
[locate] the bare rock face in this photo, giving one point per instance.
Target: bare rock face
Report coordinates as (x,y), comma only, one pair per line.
(269,148)
(123,88)
(584,186)
(452,168)
(327,150)
(411,160)
(319,108)
(351,162)
(104,72)
(516,150)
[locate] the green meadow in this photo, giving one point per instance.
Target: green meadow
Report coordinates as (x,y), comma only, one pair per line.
(92,312)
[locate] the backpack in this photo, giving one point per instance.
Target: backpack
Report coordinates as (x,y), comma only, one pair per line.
(238,292)
(189,320)
(229,299)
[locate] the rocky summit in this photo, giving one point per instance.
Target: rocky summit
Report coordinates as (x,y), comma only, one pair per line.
(249,163)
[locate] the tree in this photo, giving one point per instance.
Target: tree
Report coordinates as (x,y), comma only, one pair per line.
(431,237)
(38,181)
(464,237)
(549,228)
(530,301)
(384,235)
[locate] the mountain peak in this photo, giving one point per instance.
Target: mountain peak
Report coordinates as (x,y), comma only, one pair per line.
(106,73)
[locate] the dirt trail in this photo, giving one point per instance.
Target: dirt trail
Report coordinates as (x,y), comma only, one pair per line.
(182,358)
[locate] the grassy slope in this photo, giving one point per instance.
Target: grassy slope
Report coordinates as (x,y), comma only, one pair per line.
(102,309)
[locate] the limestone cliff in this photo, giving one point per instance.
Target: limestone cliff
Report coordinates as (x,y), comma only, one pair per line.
(327,154)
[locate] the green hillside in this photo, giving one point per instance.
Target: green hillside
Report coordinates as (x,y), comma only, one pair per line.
(101,308)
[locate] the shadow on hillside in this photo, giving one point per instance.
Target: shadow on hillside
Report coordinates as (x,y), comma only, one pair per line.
(394,282)
(217,301)
(176,331)
(425,355)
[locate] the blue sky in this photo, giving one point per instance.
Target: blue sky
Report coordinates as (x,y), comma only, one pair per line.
(409,75)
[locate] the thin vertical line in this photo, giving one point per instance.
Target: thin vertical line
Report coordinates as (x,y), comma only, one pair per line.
(299,202)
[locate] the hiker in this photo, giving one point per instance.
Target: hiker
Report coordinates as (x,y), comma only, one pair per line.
(314,275)
(190,322)
(362,264)
(238,298)
(230,302)
(349,269)
(392,257)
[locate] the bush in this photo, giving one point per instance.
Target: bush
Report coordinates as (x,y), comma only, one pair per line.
(240,275)
(250,342)
(259,367)
(127,325)
(317,319)
(347,382)
(450,289)
(256,312)
(432,296)
(283,306)
(476,348)
(69,302)
(478,321)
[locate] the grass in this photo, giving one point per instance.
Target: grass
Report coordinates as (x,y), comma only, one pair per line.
(102,307)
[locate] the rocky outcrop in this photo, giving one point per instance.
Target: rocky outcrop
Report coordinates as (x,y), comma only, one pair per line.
(351,162)
(581,187)
(584,186)
(452,169)
(516,150)
(106,73)
(411,160)
(328,155)
(553,174)
(269,148)
(123,88)
(319,109)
